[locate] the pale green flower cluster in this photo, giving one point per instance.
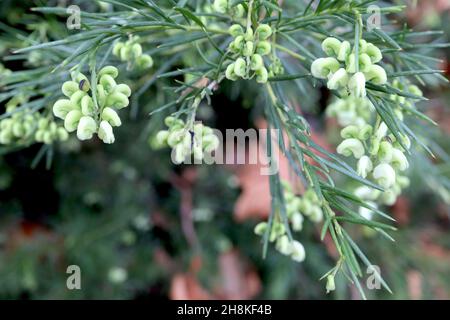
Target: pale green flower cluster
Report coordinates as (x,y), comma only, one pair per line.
(297,207)
(185,141)
(341,70)
(225,7)
(25,126)
(93,110)
(131,51)
(249,48)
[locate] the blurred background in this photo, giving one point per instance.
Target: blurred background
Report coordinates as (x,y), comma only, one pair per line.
(141,228)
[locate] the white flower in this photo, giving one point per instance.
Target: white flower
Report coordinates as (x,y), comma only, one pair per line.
(374,53)
(298,251)
(322,67)
(297,221)
(105,132)
(351,146)
(72,119)
(385,152)
(316,214)
(367,193)
(376,74)
(384,174)
(357,85)
(338,79)
(331,46)
(86,128)
(381,131)
(399,160)
(111,116)
(284,246)
(344,51)
(331,286)
(364,166)
(62,107)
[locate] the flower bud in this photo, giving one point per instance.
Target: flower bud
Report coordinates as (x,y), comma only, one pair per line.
(136,49)
(125,53)
(388,197)
(365,132)
(399,160)
(221,6)
(331,46)
(351,146)
(364,62)
(109,70)
(331,286)
(338,79)
(249,36)
(117,100)
(62,134)
(385,152)
(262,75)
(322,67)
(316,214)
(76,98)
(117,47)
(344,51)
(376,74)
(256,62)
(263,32)
(367,193)
(62,107)
(283,245)
(249,48)
(69,88)
(374,53)
(236,30)
(240,68)
(87,106)
(72,119)
(384,175)
(364,166)
(415,90)
(105,132)
(175,137)
(101,96)
(298,251)
(260,228)
(107,82)
(145,61)
(350,132)
(111,116)
(86,128)
(161,138)
(357,85)
(297,221)
(230,74)
(403,181)
(123,89)
(179,153)
(263,48)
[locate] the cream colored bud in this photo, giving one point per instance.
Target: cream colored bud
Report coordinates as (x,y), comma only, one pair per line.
(351,146)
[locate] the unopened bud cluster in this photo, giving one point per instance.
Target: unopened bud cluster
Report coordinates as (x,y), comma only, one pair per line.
(93,110)
(346,73)
(226,7)
(27,127)
(297,208)
(196,141)
(131,51)
(248,49)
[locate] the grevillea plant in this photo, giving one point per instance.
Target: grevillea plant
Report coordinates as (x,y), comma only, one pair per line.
(276,54)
